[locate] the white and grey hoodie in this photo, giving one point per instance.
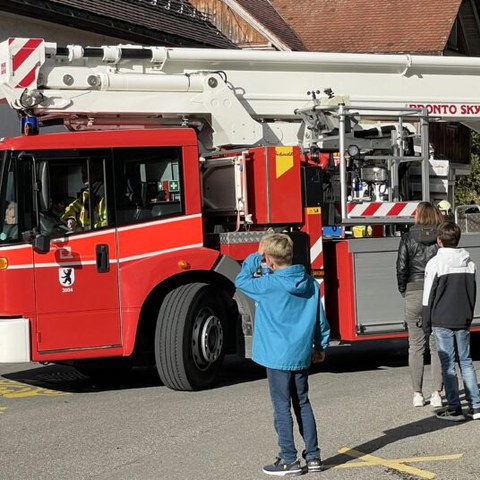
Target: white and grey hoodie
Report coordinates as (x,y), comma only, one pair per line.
(449,291)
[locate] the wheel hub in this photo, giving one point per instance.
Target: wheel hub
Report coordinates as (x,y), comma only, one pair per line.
(207,338)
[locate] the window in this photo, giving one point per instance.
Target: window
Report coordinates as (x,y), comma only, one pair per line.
(86,210)
(148,183)
(452,41)
(9,231)
(74,192)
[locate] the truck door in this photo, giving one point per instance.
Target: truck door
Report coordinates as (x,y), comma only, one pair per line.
(76,283)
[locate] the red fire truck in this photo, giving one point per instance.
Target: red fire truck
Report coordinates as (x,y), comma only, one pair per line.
(122,237)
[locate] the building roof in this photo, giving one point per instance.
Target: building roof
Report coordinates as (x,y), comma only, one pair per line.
(371,26)
(268,17)
(153,22)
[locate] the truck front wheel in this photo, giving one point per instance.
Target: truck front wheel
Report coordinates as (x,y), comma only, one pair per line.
(189,337)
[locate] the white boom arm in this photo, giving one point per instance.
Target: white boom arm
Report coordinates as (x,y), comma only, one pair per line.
(237,97)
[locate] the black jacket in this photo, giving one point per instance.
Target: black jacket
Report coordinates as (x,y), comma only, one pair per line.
(450,290)
(416,248)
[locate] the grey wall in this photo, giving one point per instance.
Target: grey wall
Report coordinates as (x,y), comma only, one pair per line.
(18,26)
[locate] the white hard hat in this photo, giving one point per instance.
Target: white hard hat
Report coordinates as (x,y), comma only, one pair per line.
(444,206)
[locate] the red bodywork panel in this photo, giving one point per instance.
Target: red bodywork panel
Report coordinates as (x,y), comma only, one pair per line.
(274,185)
(238,251)
(17,296)
(340,294)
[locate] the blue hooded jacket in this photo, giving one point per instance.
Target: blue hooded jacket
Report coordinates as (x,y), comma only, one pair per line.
(289,316)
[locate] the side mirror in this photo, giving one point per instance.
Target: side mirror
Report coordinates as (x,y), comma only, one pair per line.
(41,244)
(44,186)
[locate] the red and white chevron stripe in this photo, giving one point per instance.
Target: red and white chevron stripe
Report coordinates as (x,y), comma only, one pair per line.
(381,209)
(21,61)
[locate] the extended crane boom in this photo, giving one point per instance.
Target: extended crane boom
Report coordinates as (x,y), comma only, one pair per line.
(232,97)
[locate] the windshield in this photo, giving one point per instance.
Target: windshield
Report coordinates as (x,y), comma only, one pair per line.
(9,232)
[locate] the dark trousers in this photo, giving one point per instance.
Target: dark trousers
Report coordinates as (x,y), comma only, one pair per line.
(417,344)
(290,389)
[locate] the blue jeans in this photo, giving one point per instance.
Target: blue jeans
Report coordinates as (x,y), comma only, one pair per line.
(290,388)
(448,342)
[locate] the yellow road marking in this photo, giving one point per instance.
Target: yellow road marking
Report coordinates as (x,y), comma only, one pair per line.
(395,464)
(12,389)
(2,409)
(438,458)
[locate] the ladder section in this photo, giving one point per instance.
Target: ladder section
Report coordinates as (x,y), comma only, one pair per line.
(366,182)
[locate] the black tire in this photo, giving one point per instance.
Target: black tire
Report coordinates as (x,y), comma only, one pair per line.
(189,337)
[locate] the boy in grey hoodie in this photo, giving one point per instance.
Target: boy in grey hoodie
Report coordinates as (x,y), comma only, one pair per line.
(448,305)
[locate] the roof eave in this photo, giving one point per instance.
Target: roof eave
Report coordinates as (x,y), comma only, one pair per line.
(84,20)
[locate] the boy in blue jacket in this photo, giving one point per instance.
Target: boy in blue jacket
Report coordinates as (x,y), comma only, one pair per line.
(290,332)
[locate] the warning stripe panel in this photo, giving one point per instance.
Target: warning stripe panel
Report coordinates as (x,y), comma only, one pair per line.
(22,55)
(316,250)
(28,79)
(25,56)
(371,209)
(382,209)
(397,209)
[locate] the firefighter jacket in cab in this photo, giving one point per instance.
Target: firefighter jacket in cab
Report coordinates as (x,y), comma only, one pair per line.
(289,317)
(79,209)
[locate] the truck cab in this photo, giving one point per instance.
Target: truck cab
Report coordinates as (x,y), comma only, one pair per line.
(78,287)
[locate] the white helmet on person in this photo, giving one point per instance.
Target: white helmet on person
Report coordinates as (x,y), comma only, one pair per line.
(444,206)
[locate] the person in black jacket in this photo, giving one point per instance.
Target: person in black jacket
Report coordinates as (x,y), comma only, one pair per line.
(448,307)
(416,248)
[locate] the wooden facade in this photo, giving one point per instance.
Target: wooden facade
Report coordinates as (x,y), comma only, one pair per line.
(451,141)
(232,25)
(464,38)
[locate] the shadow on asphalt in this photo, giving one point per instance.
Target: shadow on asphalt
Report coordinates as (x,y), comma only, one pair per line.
(67,379)
(362,356)
(340,358)
(393,435)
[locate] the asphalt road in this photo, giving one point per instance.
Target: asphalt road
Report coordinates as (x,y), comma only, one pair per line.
(57,424)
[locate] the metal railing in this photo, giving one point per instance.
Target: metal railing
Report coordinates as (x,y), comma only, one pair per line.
(468,218)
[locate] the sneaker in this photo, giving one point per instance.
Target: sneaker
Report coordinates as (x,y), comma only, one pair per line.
(451,415)
(314,465)
(282,469)
(474,413)
(418,400)
(436,400)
